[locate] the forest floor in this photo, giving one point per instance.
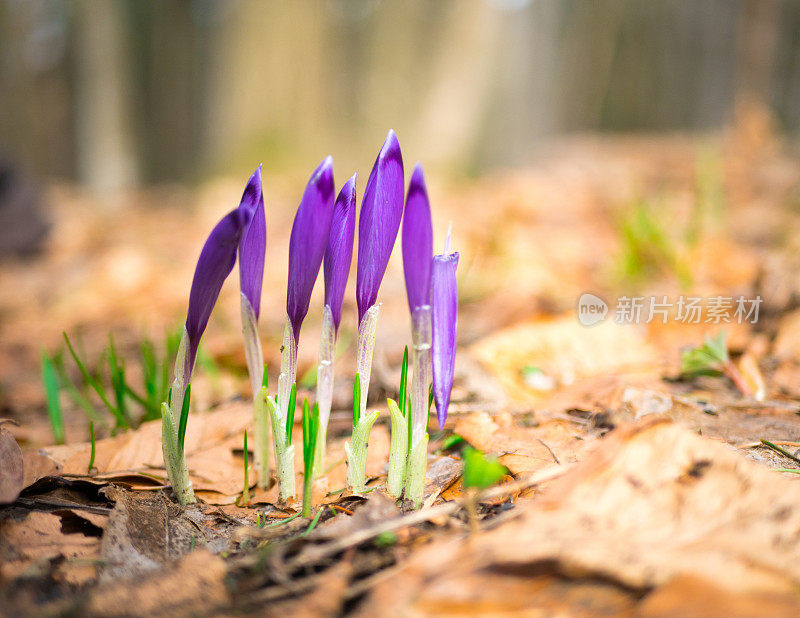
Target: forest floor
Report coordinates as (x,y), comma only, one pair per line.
(630,490)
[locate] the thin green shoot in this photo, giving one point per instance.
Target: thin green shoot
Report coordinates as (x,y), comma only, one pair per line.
(96,385)
(92,454)
(117,371)
(410,425)
(310,427)
(52,391)
(265,378)
(313,522)
(401,396)
(780,450)
(184,418)
(792,470)
(356,400)
(285,520)
(246,490)
(290,414)
(77,396)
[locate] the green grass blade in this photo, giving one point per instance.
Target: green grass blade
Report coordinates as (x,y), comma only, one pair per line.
(401,397)
(91,456)
(246,491)
(356,399)
(290,414)
(313,522)
(184,416)
(97,386)
(52,391)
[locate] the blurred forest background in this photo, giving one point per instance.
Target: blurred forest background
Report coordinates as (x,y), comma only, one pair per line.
(119,94)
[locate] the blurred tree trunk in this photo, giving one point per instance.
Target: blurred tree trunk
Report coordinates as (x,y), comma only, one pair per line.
(106,156)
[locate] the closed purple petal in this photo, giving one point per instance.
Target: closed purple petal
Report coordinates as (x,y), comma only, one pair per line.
(253,246)
(214,264)
(339,253)
(444,315)
(307,243)
(379,222)
(417,242)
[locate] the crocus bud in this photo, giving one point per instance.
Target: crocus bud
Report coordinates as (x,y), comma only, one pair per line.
(214,264)
(339,253)
(417,242)
(379,222)
(307,243)
(444,314)
(253,246)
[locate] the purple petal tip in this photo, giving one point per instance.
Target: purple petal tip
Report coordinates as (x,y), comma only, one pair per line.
(339,252)
(379,222)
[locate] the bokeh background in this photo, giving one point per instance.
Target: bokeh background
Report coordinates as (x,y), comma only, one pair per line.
(608,145)
(119,93)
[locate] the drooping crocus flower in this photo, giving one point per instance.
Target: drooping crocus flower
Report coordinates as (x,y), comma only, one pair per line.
(381,212)
(252,251)
(444,297)
(307,244)
(213,266)
(379,222)
(338,256)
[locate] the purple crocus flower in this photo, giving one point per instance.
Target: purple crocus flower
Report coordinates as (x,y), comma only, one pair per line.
(417,242)
(339,253)
(444,314)
(253,245)
(307,243)
(381,211)
(214,264)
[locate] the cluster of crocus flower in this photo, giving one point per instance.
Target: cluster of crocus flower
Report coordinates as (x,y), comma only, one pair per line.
(323,232)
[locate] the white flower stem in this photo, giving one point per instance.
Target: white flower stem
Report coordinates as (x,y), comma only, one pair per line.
(288,369)
(398,451)
(255,367)
(420,370)
(284,452)
(356,452)
(417,466)
(366,345)
(175,458)
(327,347)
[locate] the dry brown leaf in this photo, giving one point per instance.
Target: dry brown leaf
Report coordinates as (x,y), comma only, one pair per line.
(39,538)
(192,586)
(694,596)
(521,449)
(565,350)
(650,503)
(12,476)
